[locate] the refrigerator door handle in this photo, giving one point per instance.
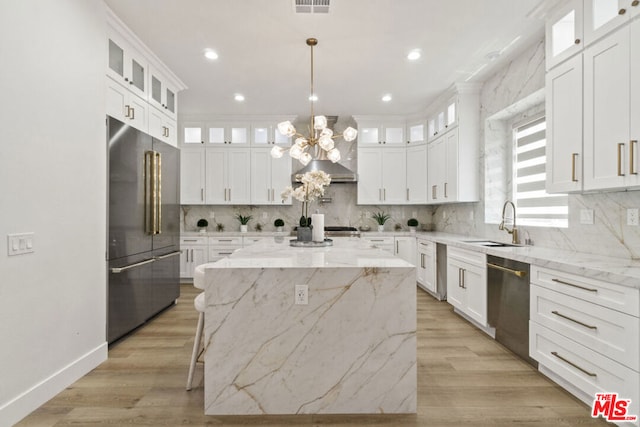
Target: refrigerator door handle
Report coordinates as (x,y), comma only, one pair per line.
(158,192)
(148,192)
(169,255)
(130,266)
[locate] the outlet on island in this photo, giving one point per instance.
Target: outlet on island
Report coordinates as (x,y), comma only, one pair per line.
(302,295)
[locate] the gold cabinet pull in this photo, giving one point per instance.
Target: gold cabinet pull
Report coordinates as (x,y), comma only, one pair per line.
(422,261)
(574,320)
(574,285)
(622,11)
(632,156)
(434,192)
(445,190)
(620,148)
(591,374)
(573,167)
(127,110)
(577,41)
(634,3)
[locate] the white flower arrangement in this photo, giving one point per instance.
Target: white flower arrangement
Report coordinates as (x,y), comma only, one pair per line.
(312,187)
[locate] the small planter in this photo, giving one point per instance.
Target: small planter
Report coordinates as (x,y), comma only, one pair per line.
(412,230)
(279,229)
(304,234)
(380,228)
(243,228)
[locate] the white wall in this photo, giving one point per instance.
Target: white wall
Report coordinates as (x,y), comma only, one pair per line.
(53,183)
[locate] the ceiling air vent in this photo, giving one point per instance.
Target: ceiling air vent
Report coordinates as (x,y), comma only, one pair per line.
(311,6)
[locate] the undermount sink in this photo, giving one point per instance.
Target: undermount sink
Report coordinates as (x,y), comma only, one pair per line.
(490,243)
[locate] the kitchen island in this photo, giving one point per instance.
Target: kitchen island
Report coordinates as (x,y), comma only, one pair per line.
(351,349)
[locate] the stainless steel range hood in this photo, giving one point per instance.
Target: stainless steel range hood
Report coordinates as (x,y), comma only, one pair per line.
(338,172)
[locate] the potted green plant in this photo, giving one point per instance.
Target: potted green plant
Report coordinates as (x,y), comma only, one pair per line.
(202,225)
(279,224)
(244,220)
(413,224)
(381,218)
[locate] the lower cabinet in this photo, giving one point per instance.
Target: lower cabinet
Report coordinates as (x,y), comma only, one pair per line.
(426,274)
(585,334)
(405,248)
(467,283)
(383,242)
(194,251)
(221,247)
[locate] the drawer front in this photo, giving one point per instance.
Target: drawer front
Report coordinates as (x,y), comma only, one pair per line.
(226,241)
(248,241)
(585,369)
(217,252)
(470,257)
(621,298)
(191,241)
(384,240)
(426,247)
(608,332)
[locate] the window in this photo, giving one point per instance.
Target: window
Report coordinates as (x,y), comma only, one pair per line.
(534,206)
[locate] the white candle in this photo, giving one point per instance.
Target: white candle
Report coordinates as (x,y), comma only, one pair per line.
(317,221)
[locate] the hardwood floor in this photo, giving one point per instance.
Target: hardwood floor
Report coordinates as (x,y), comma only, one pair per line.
(464,378)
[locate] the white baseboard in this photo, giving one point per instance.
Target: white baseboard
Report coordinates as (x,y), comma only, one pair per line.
(25,403)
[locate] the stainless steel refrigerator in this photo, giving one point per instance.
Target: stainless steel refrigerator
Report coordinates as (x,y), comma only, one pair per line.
(144,227)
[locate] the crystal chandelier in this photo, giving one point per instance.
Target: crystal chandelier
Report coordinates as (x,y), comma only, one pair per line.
(319,137)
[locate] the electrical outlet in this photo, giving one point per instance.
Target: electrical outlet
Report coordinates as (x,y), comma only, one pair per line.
(414,214)
(302,294)
(586,216)
(632,216)
(471,215)
(212,215)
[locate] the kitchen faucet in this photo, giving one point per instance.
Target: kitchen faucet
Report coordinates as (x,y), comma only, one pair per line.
(514,229)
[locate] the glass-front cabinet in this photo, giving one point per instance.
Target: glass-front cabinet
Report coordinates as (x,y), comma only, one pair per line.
(228,133)
(603,16)
(267,133)
(564,33)
(381,132)
(161,95)
(127,66)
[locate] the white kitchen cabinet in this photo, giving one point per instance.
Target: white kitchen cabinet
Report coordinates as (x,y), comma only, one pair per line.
(266,133)
(127,66)
(269,177)
(162,127)
(192,133)
(603,16)
(126,106)
(382,179)
(564,32)
(380,131)
(192,176)
(193,252)
(416,174)
(405,248)
(444,117)
(386,243)
(564,127)
(585,334)
(426,265)
(161,94)
(416,133)
(223,246)
(467,283)
(606,115)
(228,174)
(233,133)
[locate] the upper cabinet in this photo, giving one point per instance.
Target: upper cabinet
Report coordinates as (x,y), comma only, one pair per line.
(442,119)
(236,134)
(380,131)
(416,132)
(564,36)
(265,133)
(141,90)
(576,24)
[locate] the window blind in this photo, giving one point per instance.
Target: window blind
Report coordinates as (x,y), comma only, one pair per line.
(535,207)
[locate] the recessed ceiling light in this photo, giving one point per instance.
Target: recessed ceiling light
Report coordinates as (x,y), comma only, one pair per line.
(414,54)
(313,98)
(239,97)
(386,98)
(210,54)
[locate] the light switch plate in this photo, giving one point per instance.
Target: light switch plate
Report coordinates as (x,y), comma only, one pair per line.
(632,216)
(20,243)
(586,216)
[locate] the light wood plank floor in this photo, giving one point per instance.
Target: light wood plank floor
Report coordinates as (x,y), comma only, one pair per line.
(464,378)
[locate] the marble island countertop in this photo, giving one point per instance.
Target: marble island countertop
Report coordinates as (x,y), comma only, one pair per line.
(276,252)
(622,271)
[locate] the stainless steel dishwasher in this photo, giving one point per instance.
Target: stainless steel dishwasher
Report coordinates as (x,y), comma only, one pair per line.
(508,304)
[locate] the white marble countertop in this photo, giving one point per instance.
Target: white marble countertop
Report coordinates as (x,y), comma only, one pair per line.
(615,270)
(277,253)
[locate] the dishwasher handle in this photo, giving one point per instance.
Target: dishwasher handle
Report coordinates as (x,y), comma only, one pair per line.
(518,273)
